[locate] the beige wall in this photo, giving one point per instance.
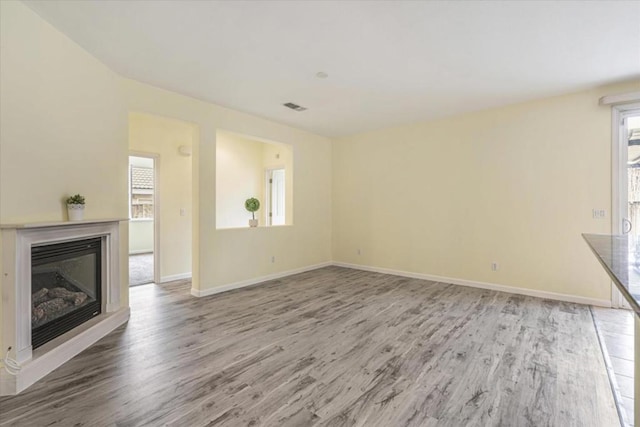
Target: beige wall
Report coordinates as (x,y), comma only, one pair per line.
(232,255)
(241,165)
(163,136)
(63,128)
(239,176)
(513,185)
(63,124)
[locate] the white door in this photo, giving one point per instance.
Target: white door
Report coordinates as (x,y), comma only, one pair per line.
(631,133)
(627,219)
(277,202)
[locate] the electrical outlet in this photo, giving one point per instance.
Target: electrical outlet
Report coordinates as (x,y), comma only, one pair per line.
(494,266)
(359,252)
(273,259)
(183,211)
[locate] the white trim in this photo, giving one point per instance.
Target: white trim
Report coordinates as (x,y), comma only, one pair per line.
(173,277)
(482,285)
(619,180)
(140,252)
(451,280)
(268,171)
(618,158)
(39,366)
(254,281)
(618,185)
(16,286)
(623,98)
(156,208)
(59,223)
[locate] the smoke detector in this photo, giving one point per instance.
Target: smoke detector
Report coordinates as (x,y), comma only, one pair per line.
(294,106)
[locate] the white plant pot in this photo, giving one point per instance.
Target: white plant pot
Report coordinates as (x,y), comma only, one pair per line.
(75,212)
(253,223)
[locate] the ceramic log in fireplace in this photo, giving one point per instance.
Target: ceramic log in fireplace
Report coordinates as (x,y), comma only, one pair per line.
(65,287)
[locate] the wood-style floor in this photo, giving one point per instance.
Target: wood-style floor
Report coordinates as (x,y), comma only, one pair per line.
(332,347)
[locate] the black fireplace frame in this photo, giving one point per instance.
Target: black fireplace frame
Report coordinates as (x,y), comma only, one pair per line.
(43,254)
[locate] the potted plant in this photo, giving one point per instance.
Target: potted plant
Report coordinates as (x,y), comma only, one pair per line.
(75,207)
(252,205)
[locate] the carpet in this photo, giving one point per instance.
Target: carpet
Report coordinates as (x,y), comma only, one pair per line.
(140,269)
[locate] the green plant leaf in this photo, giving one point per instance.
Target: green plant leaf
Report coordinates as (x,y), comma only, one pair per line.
(252,204)
(75,200)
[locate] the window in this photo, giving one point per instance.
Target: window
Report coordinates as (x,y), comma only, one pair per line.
(141,179)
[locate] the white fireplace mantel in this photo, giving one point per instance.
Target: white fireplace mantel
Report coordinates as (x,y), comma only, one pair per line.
(17,241)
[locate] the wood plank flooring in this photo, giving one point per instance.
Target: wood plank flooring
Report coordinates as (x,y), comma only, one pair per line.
(332,347)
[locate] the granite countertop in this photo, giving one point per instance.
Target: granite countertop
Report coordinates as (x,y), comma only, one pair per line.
(620,257)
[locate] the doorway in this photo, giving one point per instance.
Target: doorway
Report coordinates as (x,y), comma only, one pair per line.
(143,219)
(615,327)
(626,183)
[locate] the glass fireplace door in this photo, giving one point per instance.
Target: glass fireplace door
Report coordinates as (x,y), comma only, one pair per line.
(65,287)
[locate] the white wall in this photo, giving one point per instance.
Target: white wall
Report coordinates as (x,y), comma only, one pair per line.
(163,136)
(141,236)
(142,162)
(513,185)
(63,128)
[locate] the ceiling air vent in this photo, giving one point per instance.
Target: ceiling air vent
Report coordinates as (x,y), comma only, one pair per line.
(294,106)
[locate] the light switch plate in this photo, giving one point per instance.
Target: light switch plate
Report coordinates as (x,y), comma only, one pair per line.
(598,213)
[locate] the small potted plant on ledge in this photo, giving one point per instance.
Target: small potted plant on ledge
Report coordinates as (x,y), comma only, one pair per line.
(252,205)
(75,207)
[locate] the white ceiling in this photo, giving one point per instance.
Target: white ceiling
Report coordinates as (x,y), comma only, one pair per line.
(388,62)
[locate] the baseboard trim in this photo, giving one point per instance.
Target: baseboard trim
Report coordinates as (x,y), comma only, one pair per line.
(39,367)
(140,252)
(173,277)
(452,280)
(481,285)
(255,281)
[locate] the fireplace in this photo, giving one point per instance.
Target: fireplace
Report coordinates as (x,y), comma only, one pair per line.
(78,263)
(65,287)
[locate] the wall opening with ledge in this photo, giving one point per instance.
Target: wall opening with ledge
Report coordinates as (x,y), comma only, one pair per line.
(249,167)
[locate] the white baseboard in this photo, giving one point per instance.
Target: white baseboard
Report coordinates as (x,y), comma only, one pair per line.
(42,365)
(452,280)
(172,277)
(140,252)
(482,285)
(254,281)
